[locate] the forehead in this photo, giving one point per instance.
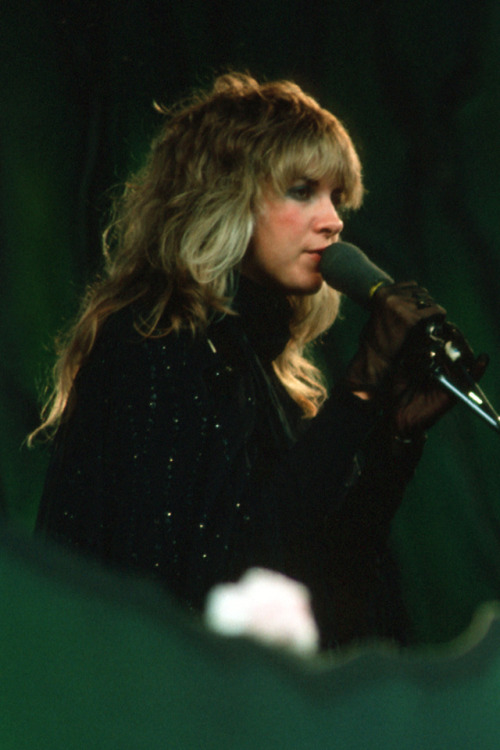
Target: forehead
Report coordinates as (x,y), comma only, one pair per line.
(319,160)
(328,158)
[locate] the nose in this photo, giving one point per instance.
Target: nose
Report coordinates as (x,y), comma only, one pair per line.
(328,220)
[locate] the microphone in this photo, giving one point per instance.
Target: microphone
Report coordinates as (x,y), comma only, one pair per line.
(346,268)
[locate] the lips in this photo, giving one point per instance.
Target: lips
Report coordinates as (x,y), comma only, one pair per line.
(316,253)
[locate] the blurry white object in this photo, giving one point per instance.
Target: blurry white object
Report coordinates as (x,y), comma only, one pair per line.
(267,606)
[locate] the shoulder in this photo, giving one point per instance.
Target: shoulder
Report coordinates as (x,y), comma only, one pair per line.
(125,367)
(123,358)
(121,344)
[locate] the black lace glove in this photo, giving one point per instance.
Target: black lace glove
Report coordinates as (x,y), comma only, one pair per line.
(397,310)
(415,400)
(392,364)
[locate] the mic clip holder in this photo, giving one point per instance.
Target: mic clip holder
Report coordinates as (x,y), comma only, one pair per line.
(449,371)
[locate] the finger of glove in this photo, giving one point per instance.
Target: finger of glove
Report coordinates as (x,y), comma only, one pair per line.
(422,411)
(396,312)
(407,300)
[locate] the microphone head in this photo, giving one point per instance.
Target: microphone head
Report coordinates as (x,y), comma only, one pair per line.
(346,268)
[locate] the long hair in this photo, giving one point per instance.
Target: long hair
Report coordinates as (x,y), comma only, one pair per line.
(180,229)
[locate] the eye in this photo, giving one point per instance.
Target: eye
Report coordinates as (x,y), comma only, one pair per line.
(301,191)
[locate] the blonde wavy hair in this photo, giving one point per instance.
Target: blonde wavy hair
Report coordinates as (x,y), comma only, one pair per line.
(180,229)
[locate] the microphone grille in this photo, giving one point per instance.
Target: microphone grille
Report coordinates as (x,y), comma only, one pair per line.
(346,268)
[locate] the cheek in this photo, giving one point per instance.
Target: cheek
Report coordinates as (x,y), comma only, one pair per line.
(279,226)
(289,219)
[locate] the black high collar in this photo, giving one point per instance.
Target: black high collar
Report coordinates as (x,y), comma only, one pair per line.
(265,315)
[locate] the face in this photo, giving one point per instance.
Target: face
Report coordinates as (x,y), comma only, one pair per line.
(291,232)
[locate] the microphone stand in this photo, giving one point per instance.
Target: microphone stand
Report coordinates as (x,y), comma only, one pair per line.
(474,398)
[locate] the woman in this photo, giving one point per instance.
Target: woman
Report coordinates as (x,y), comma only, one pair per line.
(193,438)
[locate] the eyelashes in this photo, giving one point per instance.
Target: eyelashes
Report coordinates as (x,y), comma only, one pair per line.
(304,191)
(300,192)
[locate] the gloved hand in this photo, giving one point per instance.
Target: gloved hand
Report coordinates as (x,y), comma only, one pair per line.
(416,400)
(397,310)
(393,363)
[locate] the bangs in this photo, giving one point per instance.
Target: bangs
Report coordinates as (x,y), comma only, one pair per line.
(329,156)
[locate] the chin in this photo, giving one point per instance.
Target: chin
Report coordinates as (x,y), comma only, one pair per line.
(312,287)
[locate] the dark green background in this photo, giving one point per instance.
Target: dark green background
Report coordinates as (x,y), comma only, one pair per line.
(417,85)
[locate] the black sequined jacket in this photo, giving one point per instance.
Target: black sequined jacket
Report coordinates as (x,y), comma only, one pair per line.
(185,458)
